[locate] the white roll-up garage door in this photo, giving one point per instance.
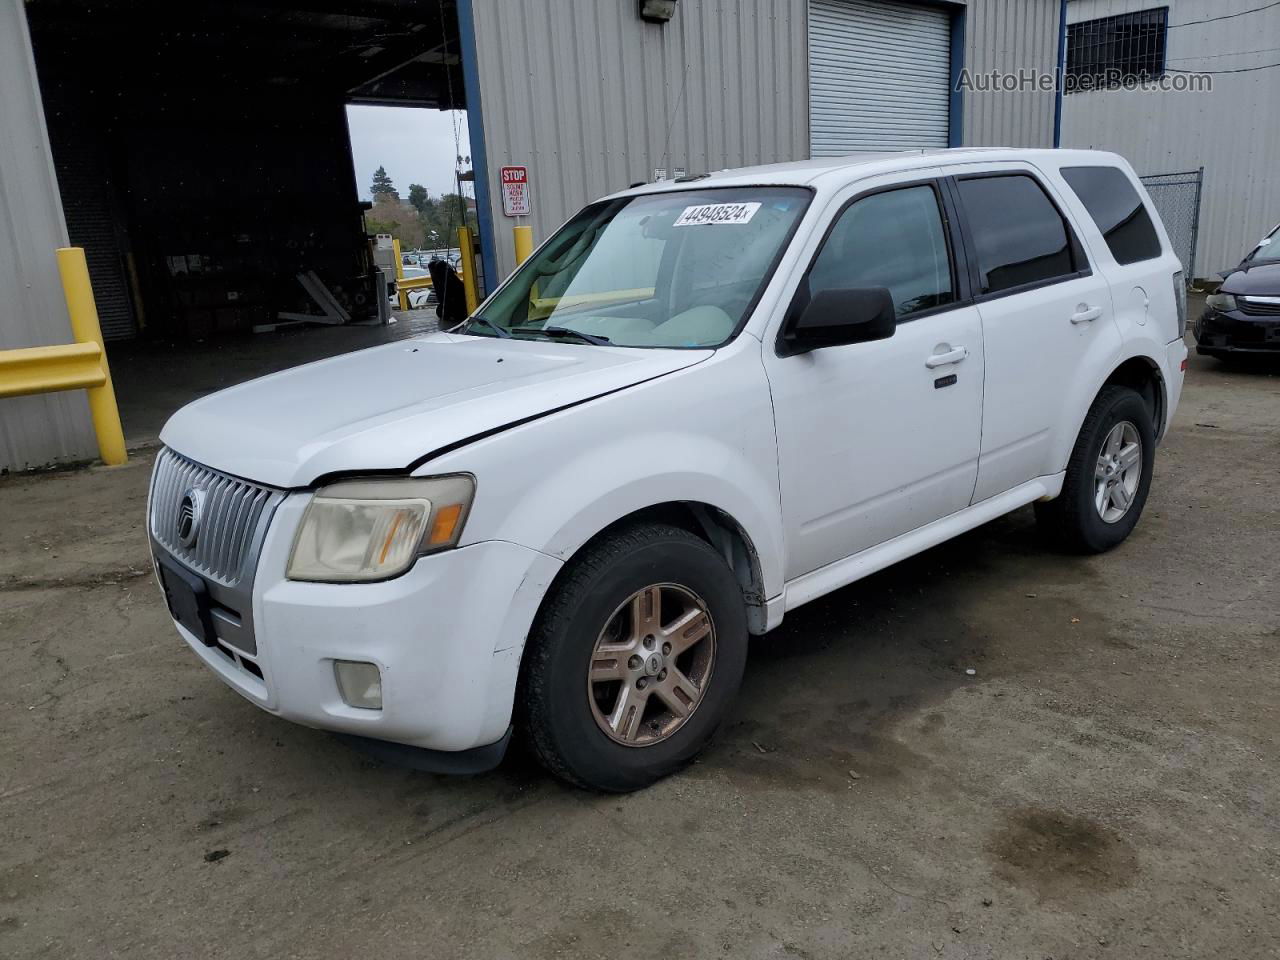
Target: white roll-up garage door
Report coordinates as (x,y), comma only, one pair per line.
(879,76)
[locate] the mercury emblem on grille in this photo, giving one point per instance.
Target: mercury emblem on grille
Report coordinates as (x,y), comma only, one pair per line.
(190,511)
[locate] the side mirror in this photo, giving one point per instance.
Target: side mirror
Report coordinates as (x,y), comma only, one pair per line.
(837,317)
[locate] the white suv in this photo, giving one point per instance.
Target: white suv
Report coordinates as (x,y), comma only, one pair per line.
(697,406)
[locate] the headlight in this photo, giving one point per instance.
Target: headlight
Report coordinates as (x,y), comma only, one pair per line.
(1221,302)
(375,529)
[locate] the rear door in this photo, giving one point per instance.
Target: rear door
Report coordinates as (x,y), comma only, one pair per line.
(1119,230)
(1046,315)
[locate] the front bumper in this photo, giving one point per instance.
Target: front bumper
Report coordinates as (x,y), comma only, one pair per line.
(446,636)
(1236,332)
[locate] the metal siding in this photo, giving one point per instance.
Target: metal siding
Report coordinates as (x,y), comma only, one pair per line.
(879,76)
(42,429)
(591,98)
(1010,35)
(1230,131)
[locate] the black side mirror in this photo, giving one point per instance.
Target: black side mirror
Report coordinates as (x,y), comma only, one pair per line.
(836,317)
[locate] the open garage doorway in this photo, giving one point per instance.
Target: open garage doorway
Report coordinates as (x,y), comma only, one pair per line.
(204,163)
(413,167)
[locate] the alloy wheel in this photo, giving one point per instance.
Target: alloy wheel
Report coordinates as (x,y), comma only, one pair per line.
(651,664)
(1118,471)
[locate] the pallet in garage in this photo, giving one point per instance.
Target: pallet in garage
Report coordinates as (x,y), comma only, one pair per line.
(332,312)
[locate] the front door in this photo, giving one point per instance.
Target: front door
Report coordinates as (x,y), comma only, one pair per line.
(876,439)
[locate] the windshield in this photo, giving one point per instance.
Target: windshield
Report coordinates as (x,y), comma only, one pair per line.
(1267,250)
(659,270)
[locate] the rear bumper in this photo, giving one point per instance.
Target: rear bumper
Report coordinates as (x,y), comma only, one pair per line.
(1176,357)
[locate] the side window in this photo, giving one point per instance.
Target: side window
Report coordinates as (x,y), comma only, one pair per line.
(893,239)
(1117,210)
(1018,235)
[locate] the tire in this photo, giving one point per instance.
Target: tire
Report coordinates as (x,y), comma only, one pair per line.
(1075,520)
(595,610)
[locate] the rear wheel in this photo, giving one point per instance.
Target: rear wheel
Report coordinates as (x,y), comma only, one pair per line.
(1108,475)
(634,659)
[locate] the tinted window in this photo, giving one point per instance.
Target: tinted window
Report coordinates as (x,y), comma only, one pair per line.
(1117,210)
(895,240)
(1018,235)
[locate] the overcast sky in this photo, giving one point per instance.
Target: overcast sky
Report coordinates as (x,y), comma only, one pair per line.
(415,145)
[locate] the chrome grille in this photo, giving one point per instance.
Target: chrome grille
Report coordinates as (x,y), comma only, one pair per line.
(232,514)
(1260,306)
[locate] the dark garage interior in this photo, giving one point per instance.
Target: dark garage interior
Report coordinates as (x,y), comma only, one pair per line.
(202,150)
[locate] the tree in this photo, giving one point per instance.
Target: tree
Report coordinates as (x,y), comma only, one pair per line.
(418,196)
(392,215)
(382,185)
(442,216)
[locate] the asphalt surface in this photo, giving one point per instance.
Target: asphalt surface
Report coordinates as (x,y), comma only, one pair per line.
(1104,785)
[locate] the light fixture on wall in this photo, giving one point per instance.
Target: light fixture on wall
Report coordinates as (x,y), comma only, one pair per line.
(657,11)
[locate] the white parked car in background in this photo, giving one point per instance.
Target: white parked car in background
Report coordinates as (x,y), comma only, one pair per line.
(697,406)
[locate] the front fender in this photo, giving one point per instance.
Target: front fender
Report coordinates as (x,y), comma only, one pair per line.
(704,434)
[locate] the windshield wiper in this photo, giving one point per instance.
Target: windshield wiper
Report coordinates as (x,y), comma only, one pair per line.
(593,338)
(485,321)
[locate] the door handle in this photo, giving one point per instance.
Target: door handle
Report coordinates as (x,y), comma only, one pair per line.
(1084,313)
(955,355)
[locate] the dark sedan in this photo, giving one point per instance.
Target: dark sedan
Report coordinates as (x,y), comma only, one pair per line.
(1243,316)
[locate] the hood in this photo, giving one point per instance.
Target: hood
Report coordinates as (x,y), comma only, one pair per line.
(1261,279)
(386,407)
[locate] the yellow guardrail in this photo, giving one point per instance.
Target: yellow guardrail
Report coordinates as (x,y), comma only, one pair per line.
(75,366)
(414,283)
(405,284)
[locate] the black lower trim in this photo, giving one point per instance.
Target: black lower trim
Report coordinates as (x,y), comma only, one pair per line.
(476,760)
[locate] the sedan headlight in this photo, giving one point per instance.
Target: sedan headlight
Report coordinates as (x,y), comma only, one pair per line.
(362,530)
(1221,302)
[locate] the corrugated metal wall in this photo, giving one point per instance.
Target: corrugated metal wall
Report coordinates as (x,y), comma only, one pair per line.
(592,99)
(41,429)
(1009,35)
(1232,131)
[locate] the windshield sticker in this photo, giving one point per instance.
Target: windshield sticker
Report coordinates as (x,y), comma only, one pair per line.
(717,213)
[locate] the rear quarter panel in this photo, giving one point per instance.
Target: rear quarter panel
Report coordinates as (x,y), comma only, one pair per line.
(1143,300)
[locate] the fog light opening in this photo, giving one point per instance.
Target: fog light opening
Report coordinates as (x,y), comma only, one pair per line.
(359,683)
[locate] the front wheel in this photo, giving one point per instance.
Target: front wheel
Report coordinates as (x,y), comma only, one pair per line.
(1108,475)
(634,659)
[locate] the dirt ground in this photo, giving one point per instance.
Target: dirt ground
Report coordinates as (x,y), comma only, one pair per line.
(1106,785)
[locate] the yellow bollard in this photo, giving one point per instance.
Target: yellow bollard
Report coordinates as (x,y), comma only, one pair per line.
(86,329)
(468,269)
(400,293)
(524,243)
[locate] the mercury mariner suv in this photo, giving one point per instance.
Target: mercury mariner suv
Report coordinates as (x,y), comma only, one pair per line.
(698,405)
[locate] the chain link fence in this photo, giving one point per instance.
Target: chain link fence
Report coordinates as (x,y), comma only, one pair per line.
(1177,199)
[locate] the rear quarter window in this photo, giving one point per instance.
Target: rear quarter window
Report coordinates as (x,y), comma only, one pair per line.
(1118,211)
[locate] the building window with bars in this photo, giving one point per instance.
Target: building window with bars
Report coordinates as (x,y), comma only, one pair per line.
(1116,51)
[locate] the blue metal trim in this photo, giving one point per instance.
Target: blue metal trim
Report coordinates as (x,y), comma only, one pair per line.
(475,126)
(1060,73)
(955,119)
